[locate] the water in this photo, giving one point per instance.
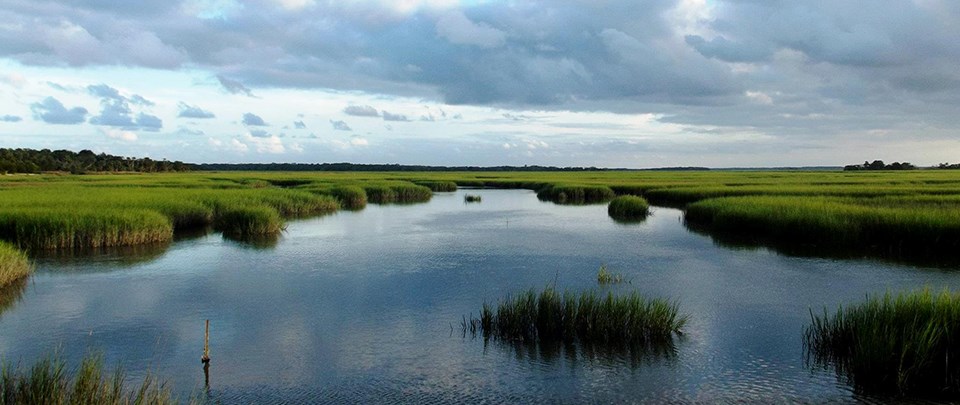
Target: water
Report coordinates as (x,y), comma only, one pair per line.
(365,307)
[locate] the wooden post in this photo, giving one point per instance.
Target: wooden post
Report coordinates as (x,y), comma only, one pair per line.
(206,345)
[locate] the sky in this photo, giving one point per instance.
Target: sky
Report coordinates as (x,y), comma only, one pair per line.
(606,83)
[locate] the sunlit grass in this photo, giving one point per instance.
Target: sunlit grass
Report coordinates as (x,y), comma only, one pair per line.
(48,381)
(14,265)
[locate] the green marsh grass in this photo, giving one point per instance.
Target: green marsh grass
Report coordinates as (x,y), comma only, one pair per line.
(576,194)
(14,265)
(243,222)
(587,318)
(438,186)
(628,208)
(471,198)
(905,344)
(605,276)
(350,197)
(900,226)
(48,381)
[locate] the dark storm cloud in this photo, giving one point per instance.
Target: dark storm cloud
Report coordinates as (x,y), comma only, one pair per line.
(52,111)
(191,111)
(252,119)
(753,60)
(361,111)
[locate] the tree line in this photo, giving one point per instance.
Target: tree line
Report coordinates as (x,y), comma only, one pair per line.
(46,160)
(879,165)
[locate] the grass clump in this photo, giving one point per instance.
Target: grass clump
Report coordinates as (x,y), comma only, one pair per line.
(576,194)
(350,197)
(470,198)
(588,318)
(48,382)
(244,222)
(628,208)
(908,344)
(604,276)
(14,265)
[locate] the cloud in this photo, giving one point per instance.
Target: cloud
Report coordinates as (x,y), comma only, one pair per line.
(340,125)
(190,111)
(259,133)
(357,140)
(10,118)
(394,117)
(252,119)
(114,113)
(52,111)
(233,86)
(149,122)
(123,135)
(299,125)
(182,130)
(361,111)
(15,80)
(458,29)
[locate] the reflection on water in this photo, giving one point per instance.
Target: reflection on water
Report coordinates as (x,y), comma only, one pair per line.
(358,307)
(255,242)
(631,356)
(106,258)
(11,294)
(913,256)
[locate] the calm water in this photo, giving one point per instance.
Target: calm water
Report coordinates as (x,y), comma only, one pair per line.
(365,306)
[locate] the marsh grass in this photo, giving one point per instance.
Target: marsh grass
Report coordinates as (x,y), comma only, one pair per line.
(605,276)
(628,208)
(908,344)
(438,185)
(49,382)
(403,193)
(350,197)
(245,222)
(14,265)
(585,318)
(72,228)
(900,229)
(471,198)
(576,194)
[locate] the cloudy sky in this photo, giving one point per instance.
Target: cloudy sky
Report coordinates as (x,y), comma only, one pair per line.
(613,83)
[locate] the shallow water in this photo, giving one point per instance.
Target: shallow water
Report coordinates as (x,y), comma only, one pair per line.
(365,307)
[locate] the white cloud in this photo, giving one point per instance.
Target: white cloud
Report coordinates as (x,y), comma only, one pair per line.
(123,135)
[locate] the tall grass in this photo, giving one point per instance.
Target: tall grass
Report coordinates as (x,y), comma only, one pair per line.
(242,222)
(576,194)
(14,265)
(901,229)
(397,193)
(628,208)
(472,198)
(908,344)
(588,318)
(49,382)
(350,197)
(75,228)
(438,185)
